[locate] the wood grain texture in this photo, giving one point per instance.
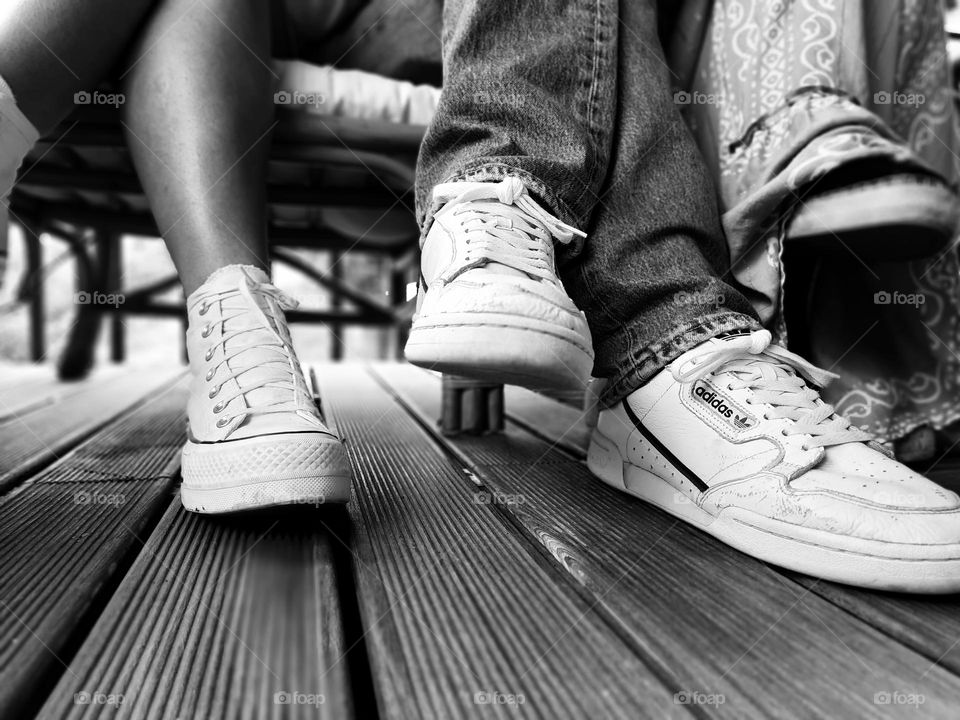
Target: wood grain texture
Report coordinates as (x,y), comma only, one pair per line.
(219,617)
(65,535)
(710,618)
(39,433)
(456,604)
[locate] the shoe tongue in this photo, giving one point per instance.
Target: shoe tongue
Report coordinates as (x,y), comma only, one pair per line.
(261,359)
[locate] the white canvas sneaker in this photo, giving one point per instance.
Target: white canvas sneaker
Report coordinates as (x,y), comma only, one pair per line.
(731,439)
(255,436)
(491,305)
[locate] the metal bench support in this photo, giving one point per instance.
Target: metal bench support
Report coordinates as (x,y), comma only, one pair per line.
(474,407)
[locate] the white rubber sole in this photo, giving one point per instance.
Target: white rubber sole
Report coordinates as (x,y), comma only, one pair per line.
(502,348)
(852,561)
(263,472)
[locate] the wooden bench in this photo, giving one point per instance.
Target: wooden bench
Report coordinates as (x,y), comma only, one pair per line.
(476,576)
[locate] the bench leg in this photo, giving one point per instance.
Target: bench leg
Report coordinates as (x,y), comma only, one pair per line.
(111,260)
(34,288)
(470,406)
(77,357)
(336,303)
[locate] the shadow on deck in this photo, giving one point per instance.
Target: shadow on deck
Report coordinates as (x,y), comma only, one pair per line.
(475,577)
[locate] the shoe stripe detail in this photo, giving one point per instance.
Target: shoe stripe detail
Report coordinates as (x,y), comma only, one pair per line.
(662,449)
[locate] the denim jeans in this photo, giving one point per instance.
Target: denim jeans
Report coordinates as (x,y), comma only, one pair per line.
(573,97)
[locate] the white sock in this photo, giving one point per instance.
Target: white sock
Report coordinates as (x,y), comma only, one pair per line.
(17,137)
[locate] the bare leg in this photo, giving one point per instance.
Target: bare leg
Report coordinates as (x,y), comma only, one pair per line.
(53,48)
(199,115)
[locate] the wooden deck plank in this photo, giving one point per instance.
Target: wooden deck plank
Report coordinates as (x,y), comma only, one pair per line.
(219,617)
(456,605)
(929,625)
(40,433)
(563,426)
(717,621)
(15,374)
(65,534)
(30,393)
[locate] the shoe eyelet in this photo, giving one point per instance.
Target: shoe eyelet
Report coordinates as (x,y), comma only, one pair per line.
(783,432)
(207,329)
(218,407)
(204,308)
(223,422)
(209,355)
(213,393)
(805,448)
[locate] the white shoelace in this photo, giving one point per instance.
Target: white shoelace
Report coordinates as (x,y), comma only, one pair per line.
(771,372)
(505,225)
(286,374)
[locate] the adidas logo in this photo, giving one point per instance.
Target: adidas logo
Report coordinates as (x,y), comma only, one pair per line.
(713,400)
(723,407)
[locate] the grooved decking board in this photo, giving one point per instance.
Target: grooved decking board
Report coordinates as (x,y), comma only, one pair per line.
(219,617)
(454,602)
(43,433)
(26,395)
(715,620)
(563,426)
(65,532)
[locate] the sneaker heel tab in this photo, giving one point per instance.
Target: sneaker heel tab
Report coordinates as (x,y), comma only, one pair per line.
(591,402)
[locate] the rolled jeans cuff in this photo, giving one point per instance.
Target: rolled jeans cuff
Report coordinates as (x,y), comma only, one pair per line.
(635,368)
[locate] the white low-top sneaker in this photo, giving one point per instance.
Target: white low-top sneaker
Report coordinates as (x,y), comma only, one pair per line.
(490,304)
(255,436)
(732,439)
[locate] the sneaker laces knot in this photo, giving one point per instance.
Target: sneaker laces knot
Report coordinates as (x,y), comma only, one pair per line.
(247,327)
(777,378)
(503,224)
